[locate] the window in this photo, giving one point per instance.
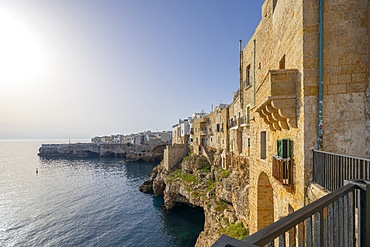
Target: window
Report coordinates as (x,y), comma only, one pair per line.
(247,76)
(218,127)
(263,144)
(248,114)
(283,148)
(249,147)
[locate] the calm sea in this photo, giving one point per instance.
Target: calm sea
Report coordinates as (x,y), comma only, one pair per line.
(93,202)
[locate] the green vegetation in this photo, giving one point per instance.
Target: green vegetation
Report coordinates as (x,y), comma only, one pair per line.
(235,230)
(174,175)
(211,184)
(221,206)
(186,158)
(206,168)
(188,177)
(202,162)
(178,174)
(225,173)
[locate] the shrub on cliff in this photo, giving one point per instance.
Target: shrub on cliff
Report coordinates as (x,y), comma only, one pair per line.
(235,230)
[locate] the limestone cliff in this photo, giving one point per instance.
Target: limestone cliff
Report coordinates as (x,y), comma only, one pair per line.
(144,152)
(223,194)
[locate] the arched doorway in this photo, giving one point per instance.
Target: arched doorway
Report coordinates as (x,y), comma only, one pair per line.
(265,202)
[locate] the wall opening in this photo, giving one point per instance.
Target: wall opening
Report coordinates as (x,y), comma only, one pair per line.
(263,144)
(274,2)
(282,63)
(265,202)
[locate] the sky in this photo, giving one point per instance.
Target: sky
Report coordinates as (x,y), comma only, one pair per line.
(85,68)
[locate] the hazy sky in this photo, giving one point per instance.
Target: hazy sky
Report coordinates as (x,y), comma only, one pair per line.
(81,68)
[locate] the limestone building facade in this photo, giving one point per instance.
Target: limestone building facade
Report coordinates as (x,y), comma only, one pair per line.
(274,120)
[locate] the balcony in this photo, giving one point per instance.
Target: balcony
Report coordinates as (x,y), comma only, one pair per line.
(329,221)
(203,132)
(233,124)
(282,170)
(276,99)
(243,121)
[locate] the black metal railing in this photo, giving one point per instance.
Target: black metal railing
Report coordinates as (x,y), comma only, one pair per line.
(233,123)
(330,170)
(329,221)
(282,170)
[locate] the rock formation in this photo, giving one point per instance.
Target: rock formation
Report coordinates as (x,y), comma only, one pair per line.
(223,194)
(143,152)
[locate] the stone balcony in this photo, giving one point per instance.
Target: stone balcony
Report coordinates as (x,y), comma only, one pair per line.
(276,99)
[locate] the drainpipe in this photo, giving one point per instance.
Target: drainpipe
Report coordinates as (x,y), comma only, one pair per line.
(321,58)
(254,72)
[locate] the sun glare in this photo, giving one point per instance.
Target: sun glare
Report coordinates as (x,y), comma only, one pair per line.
(21,55)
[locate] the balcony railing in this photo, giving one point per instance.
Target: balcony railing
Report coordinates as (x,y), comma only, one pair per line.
(244,121)
(233,123)
(203,132)
(329,221)
(282,170)
(330,170)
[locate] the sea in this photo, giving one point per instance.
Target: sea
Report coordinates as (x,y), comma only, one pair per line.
(89,202)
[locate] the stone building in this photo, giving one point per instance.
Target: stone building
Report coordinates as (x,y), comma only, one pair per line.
(287,72)
(181,131)
(280,94)
(200,135)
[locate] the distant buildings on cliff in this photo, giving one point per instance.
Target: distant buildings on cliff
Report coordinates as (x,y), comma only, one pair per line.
(146,137)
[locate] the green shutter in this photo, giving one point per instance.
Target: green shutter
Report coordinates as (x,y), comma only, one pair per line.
(280,148)
(283,148)
(286,148)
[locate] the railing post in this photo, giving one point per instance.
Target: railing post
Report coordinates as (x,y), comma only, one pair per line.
(364,214)
(313,166)
(363,202)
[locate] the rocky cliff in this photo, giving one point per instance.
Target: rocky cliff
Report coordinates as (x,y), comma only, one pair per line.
(223,194)
(88,150)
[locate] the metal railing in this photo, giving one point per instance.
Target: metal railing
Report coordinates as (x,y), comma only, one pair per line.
(330,170)
(243,120)
(233,123)
(282,170)
(329,221)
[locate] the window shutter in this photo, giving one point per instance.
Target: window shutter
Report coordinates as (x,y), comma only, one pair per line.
(280,148)
(286,148)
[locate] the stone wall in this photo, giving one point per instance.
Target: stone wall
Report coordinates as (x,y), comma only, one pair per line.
(275,46)
(286,39)
(173,154)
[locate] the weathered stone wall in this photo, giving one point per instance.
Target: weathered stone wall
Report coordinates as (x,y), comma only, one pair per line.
(173,154)
(278,38)
(287,38)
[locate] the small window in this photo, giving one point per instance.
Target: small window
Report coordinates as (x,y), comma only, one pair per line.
(248,114)
(247,76)
(218,127)
(263,144)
